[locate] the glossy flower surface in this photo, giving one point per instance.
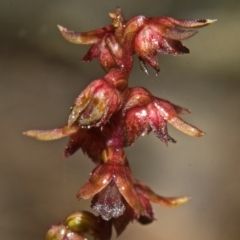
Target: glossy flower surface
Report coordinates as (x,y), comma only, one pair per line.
(98,40)
(112,187)
(61,232)
(115,44)
(95,105)
(77,225)
(144,113)
(108,116)
(141,113)
(114,175)
(164,35)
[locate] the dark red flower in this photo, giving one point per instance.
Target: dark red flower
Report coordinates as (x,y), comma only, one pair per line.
(140,114)
(99,40)
(95,105)
(112,187)
(146,196)
(115,44)
(110,181)
(161,35)
(144,113)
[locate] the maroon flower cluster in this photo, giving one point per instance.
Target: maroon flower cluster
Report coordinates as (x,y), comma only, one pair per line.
(109,115)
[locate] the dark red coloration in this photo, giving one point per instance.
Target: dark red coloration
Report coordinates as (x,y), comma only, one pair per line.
(108,116)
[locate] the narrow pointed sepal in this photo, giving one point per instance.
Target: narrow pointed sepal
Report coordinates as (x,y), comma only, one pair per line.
(91,37)
(52,134)
(170,112)
(100,178)
(160,200)
(184,127)
(179,34)
(196,23)
(124,183)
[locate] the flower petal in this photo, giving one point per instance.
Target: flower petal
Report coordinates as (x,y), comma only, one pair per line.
(52,134)
(91,37)
(121,222)
(184,127)
(167,110)
(91,141)
(109,203)
(158,125)
(179,34)
(163,201)
(146,44)
(95,105)
(124,183)
(134,25)
(101,176)
(92,53)
(192,23)
(169,46)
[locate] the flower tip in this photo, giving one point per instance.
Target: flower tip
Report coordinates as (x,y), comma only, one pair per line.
(172,202)
(181,200)
(74,115)
(112,15)
(61,28)
(25,133)
(197,133)
(201,134)
(210,21)
(79,196)
(52,134)
(33,133)
(204,22)
(185,127)
(157,69)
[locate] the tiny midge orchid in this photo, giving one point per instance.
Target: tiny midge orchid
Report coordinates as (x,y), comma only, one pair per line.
(108,116)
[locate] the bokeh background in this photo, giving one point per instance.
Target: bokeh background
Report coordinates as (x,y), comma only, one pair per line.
(40,76)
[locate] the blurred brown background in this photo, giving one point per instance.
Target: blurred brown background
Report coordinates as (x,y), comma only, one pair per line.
(40,76)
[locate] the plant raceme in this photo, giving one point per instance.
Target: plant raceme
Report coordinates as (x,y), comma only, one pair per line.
(108,116)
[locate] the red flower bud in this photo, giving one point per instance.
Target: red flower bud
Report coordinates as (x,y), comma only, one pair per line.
(87,223)
(77,225)
(52,134)
(61,232)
